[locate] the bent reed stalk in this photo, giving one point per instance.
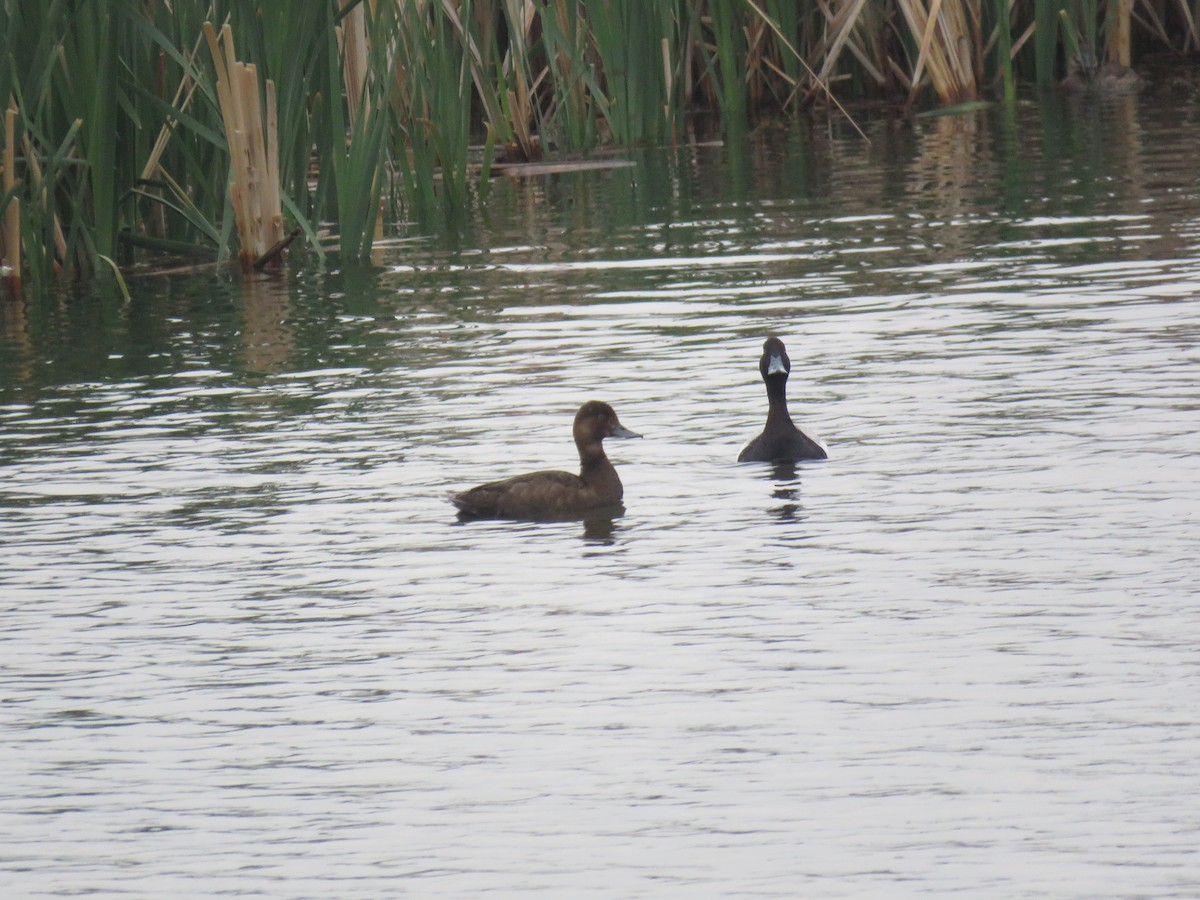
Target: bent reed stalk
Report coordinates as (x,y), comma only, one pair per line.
(122,137)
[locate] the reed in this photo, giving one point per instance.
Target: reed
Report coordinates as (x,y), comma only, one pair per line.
(431,104)
(839,34)
(1120,51)
(42,114)
(566,117)
(10,236)
(947,32)
(125,134)
(1045,24)
(726,61)
(1003,31)
(512,116)
(251,134)
(356,136)
(635,46)
(93,54)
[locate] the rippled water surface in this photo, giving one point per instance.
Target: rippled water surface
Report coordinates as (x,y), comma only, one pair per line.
(248,649)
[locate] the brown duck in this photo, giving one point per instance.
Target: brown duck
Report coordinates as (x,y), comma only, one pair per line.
(557,495)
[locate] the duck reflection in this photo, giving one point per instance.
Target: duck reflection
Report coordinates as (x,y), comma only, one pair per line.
(786,477)
(600,526)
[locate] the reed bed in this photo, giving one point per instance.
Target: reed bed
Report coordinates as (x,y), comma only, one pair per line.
(124,138)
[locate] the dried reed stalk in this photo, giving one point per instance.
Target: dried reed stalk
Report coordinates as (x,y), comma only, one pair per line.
(818,81)
(1119,34)
(842,24)
(11,249)
(39,192)
(669,87)
(1192,39)
(571,79)
(253,149)
(943,31)
(520,98)
(352,35)
(181,101)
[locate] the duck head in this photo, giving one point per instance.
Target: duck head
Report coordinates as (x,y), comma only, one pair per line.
(595,421)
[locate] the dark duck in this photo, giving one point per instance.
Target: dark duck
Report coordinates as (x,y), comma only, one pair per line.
(557,495)
(781,440)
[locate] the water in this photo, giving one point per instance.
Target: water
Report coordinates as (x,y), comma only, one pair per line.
(249,650)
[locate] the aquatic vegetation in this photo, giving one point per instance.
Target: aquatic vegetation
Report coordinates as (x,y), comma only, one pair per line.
(124,136)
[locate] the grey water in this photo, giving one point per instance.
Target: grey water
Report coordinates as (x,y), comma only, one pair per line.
(246,649)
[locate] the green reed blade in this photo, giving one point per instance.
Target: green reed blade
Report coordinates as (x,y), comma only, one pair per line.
(1046,40)
(727,70)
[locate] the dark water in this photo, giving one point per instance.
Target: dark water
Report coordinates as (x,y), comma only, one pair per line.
(248,650)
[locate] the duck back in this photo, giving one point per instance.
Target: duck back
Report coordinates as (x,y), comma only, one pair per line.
(548,494)
(782,444)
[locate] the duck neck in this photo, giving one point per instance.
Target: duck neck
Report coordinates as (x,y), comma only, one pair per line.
(777,398)
(594,466)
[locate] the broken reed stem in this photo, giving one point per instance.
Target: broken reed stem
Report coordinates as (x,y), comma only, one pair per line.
(253,150)
(275,252)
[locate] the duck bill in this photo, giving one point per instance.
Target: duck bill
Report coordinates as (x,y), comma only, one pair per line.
(620,431)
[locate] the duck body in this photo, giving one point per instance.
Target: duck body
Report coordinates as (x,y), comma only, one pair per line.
(780,440)
(554,494)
